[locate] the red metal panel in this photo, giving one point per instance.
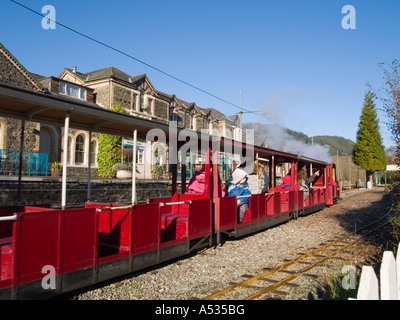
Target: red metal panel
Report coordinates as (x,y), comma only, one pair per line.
(307,201)
(79,239)
(300,199)
(227,214)
(322,198)
(270,205)
(114,226)
(38,243)
(105,221)
(261,199)
(146,227)
(291,201)
(316,196)
(163,209)
(6,226)
(329,193)
(255,211)
(174,226)
(277,203)
(200,218)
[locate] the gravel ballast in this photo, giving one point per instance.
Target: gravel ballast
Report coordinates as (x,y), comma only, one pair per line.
(212,269)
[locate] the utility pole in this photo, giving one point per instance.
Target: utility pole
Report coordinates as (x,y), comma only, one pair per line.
(241,115)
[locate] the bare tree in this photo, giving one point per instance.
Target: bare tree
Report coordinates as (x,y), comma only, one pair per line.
(390,97)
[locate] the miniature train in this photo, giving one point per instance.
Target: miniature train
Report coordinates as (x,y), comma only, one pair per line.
(45,252)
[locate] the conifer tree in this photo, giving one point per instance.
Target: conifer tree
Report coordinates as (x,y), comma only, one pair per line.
(369,152)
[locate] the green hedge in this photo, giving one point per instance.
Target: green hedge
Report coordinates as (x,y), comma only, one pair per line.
(109,150)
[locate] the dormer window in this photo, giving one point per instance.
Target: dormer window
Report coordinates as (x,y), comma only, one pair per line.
(72,90)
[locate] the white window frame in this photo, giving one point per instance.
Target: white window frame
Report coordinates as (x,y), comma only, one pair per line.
(66,88)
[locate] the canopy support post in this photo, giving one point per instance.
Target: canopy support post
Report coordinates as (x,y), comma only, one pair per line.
(134,198)
(64,167)
(21,158)
(89,167)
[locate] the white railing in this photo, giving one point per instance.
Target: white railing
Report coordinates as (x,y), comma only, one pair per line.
(9,218)
(389,288)
(113,208)
(173,203)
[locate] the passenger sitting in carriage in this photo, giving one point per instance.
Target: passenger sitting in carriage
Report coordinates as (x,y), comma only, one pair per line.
(198,181)
(257,178)
(286,184)
(237,186)
(305,182)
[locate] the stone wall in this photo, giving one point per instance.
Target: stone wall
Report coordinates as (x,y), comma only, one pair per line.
(48,192)
(11,75)
(11,129)
(122,96)
(161,110)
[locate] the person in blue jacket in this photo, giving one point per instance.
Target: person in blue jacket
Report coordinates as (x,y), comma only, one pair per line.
(237,186)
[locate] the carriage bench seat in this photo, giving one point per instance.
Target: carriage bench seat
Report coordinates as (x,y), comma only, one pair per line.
(173,226)
(5,257)
(6,244)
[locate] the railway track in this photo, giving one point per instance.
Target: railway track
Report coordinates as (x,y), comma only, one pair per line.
(255,287)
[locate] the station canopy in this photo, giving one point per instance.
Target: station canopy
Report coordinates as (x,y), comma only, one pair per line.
(40,107)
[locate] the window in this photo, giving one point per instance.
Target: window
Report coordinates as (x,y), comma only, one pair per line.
(93,152)
(193,123)
(140,156)
(72,90)
(133,102)
(80,149)
(150,105)
(172,116)
(69,150)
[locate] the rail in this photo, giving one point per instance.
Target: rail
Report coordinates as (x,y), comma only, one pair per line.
(343,242)
(131,206)
(113,208)
(9,218)
(173,203)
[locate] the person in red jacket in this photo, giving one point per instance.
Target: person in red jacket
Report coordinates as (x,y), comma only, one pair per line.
(197,183)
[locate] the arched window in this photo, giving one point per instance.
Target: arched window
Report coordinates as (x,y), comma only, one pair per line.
(3,128)
(80,149)
(93,152)
(69,150)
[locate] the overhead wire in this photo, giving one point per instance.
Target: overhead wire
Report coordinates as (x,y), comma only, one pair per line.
(130,56)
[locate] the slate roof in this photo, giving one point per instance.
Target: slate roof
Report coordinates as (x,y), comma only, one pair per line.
(109,72)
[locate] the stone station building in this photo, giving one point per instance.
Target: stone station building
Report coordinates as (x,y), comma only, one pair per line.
(106,88)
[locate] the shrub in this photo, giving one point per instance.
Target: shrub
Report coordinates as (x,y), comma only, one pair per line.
(158,170)
(122,166)
(109,151)
(55,165)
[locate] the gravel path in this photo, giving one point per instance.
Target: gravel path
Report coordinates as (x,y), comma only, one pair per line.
(212,269)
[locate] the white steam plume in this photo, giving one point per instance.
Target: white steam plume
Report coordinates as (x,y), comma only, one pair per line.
(275,135)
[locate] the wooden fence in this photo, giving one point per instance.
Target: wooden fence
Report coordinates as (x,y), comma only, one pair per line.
(389,287)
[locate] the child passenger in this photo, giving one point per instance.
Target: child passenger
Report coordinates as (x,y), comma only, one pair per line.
(237,186)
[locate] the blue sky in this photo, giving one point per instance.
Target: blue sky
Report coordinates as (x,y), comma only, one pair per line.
(291,59)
